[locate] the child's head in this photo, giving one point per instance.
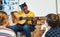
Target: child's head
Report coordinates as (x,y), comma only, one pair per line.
(38,25)
(40,22)
(3,18)
(42,19)
(52,20)
(13,15)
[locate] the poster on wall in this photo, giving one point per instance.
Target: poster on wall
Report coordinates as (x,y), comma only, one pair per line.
(10,5)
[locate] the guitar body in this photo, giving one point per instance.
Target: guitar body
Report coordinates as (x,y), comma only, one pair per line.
(21,21)
(18,18)
(24,18)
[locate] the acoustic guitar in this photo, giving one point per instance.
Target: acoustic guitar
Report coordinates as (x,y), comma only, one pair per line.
(21,19)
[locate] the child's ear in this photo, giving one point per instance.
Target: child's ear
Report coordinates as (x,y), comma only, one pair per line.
(46,23)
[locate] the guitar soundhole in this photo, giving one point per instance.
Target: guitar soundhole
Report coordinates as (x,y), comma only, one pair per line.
(20,18)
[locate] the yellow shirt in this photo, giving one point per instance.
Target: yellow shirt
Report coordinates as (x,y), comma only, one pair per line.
(30,14)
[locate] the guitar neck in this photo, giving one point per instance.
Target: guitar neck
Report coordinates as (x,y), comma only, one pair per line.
(28,18)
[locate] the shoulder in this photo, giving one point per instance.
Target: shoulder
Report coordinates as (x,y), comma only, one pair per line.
(11,31)
(49,33)
(53,32)
(19,11)
(7,31)
(31,12)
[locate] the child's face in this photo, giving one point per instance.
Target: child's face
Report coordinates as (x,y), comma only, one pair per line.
(42,21)
(6,19)
(38,26)
(38,22)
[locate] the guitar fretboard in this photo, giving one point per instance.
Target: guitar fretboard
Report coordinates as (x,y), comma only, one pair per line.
(28,18)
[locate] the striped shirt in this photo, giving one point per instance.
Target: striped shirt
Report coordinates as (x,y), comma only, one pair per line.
(5,32)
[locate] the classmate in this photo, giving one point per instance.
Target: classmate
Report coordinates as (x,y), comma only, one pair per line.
(51,22)
(39,29)
(4,31)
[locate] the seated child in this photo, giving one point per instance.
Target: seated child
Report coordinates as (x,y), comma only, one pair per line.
(38,32)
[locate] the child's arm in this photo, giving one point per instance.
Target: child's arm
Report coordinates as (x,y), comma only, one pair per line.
(33,33)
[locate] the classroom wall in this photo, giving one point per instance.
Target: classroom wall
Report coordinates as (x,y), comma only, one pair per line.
(39,7)
(42,7)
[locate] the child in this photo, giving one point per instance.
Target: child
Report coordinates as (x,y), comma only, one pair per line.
(4,31)
(38,31)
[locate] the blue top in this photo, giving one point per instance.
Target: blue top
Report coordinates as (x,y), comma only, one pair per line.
(53,32)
